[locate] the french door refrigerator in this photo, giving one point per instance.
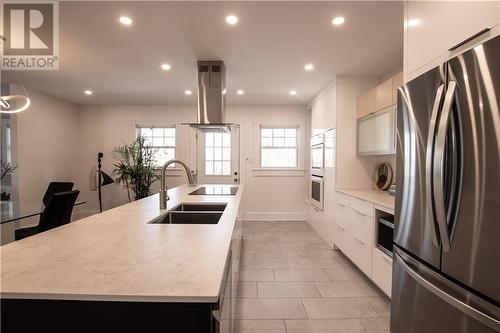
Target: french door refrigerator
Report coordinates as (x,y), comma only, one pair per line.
(446,271)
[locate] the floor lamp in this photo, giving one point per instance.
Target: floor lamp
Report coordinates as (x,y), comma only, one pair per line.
(102,179)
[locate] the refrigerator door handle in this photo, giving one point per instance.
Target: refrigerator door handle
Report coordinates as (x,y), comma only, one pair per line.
(429,197)
(456,303)
(439,165)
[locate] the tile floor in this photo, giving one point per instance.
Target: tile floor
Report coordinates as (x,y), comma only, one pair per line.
(292,282)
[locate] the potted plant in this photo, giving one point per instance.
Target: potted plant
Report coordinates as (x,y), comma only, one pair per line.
(136,168)
(5,170)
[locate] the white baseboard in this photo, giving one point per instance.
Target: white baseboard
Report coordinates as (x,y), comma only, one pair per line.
(274,216)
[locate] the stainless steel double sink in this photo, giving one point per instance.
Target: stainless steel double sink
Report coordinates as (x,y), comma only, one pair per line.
(192,213)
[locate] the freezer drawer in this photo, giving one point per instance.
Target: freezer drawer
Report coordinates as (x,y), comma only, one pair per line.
(424,301)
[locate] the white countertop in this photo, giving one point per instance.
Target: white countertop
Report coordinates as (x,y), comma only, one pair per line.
(382,198)
(117,255)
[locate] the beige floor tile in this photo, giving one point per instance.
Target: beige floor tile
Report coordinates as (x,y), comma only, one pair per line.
(345,289)
(264,263)
(259,326)
(247,289)
(326,308)
(342,274)
(324,326)
(270,308)
(275,253)
(314,263)
(287,289)
(318,246)
(300,275)
(297,245)
(256,274)
(306,254)
(376,325)
(247,254)
(381,305)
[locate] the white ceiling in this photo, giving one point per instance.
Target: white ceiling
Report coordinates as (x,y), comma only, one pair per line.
(264,53)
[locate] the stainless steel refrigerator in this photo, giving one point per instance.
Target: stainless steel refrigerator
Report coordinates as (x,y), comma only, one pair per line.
(446,272)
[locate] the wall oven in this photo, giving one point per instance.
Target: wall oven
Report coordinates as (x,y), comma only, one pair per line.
(317,192)
(318,155)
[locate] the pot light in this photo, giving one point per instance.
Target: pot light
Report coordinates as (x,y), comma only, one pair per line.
(125,20)
(240,92)
(309,67)
(411,23)
(166,67)
(188,92)
(339,20)
(88,92)
(231,19)
(293,92)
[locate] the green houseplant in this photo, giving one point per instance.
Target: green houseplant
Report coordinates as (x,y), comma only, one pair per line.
(136,168)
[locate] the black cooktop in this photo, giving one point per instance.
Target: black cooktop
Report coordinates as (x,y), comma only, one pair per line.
(215,190)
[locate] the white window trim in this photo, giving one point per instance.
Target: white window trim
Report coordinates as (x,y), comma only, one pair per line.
(172,170)
(299,170)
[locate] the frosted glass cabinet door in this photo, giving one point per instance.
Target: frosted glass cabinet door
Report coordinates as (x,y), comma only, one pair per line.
(376,133)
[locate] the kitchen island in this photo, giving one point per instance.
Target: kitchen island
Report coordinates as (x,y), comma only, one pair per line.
(114,271)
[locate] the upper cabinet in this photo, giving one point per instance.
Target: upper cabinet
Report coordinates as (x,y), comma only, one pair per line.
(380,97)
(433,28)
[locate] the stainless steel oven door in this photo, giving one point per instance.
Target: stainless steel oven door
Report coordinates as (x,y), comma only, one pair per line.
(317,192)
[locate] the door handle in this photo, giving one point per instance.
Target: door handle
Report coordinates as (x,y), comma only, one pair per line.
(456,303)
(438,167)
(428,165)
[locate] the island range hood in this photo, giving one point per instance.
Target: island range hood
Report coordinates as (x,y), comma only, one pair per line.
(211,97)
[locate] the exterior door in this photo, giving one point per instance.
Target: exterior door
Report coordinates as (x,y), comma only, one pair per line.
(418,104)
(218,157)
(473,235)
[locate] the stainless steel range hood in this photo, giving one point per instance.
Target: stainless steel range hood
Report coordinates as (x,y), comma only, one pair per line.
(211,97)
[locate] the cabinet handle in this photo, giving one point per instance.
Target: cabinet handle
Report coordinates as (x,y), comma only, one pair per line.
(342,205)
(360,213)
(340,228)
(359,240)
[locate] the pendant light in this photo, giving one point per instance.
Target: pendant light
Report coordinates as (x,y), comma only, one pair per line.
(22,102)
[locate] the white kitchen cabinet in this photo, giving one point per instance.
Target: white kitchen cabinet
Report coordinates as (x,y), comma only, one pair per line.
(355,231)
(382,271)
(433,27)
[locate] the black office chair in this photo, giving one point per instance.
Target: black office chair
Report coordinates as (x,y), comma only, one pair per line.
(56,187)
(58,212)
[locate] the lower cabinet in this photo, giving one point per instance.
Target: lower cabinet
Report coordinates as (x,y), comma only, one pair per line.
(382,271)
(355,237)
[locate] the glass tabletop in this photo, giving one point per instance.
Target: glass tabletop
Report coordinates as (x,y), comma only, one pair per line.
(17,210)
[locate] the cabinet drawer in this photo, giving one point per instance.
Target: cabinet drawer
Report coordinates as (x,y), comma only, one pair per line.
(361,227)
(342,239)
(382,271)
(362,207)
(361,254)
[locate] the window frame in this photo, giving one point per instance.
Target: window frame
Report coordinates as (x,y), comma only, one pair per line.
(138,128)
(298,146)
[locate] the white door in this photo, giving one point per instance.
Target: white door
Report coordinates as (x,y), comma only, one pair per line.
(218,157)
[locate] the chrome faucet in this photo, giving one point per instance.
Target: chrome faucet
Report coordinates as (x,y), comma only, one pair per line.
(163,185)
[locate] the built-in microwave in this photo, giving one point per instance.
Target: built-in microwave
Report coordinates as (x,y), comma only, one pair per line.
(317,192)
(318,155)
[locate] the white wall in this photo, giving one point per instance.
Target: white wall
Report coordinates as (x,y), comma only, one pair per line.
(275,197)
(46,140)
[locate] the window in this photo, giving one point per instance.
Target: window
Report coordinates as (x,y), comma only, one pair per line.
(217,154)
(162,139)
(278,147)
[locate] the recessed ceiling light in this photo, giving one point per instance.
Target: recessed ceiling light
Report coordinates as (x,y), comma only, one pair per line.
(293,92)
(412,23)
(166,67)
(240,92)
(188,92)
(309,67)
(339,20)
(88,92)
(125,20)
(231,19)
